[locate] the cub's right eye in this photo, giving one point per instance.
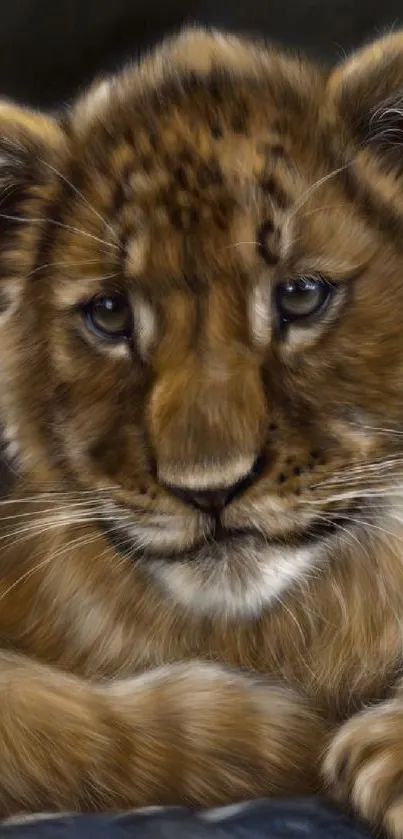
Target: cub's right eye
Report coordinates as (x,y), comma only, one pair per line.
(302,298)
(109,316)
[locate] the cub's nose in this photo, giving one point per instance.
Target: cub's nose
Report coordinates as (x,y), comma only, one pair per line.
(213,500)
(208,501)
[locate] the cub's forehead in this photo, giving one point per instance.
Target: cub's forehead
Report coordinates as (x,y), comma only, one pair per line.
(195,138)
(204,169)
(210,161)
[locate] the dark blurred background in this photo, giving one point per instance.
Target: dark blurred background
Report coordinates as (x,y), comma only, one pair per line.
(51,48)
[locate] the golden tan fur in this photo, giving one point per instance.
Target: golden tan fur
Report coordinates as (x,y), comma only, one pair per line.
(155,652)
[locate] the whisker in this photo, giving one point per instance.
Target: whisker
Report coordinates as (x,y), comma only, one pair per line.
(98,279)
(25,220)
(25,576)
(382,430)
(37,528)
(70,506)
(321,209)
(75,543)
(332,519)
(238,245)
(377,527)
(83,199)
(309,192)
(38,497)
(363,469)
(63,265)
(354,494)
(367,480)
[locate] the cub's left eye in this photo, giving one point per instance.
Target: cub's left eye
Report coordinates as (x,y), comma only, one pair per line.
(302,297)
(109,316)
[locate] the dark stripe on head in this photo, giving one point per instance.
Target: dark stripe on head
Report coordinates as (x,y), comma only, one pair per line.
(277,150)
(266,230)
(373,206)
(276,192)
(120,193)
(4,301)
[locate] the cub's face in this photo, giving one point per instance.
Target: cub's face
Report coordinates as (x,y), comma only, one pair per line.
(202,303)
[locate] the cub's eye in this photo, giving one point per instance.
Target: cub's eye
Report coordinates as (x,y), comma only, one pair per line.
(109,316)
(302,297)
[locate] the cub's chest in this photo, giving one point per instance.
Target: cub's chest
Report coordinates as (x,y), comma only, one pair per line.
(342,657)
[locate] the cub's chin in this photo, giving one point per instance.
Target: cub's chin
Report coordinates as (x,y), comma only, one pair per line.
(233,575)
(236,579)
(226,567)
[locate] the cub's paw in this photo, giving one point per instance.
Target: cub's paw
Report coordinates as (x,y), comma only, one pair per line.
(364,766)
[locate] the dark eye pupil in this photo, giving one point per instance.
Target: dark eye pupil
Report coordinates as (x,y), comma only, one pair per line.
(109,316)
(301,297)
(109,308)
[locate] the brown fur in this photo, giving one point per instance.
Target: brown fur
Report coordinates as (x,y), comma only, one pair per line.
(145,661)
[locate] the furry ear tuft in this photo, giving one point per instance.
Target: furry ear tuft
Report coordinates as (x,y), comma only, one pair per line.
(367,92)
(29,142)
(27,136)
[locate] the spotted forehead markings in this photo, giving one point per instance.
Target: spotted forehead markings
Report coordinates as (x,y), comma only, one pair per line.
(273,188)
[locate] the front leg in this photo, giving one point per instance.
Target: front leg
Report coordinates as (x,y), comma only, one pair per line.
(364,765)
(193,733)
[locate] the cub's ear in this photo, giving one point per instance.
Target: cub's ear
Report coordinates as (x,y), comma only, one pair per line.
(31,149)
(366,92)
(29,143)
(27,123)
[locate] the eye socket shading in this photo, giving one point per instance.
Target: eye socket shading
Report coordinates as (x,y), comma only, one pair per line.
(302,297)
(109,316)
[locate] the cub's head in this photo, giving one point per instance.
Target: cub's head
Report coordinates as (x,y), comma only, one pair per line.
(201,311)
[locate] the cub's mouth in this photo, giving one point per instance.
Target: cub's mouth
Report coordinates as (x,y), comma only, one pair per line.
(220,537)
(230,573)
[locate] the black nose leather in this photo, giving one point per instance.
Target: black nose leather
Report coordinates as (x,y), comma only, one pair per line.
(214,500)
(209,500)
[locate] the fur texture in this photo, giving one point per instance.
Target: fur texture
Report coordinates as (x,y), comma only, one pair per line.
(202,566)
